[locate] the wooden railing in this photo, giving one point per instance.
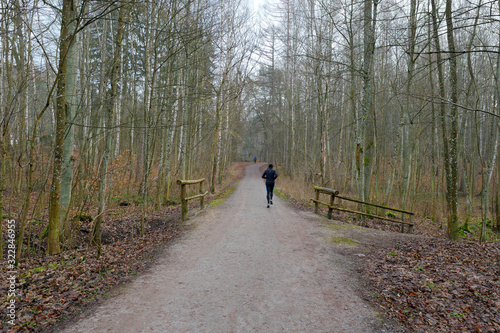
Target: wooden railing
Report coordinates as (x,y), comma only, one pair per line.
(335,194)
(185,198)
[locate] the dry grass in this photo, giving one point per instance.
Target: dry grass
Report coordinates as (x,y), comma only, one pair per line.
(429,221)
(299,190)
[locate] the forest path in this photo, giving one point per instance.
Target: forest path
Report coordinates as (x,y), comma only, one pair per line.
(243,268)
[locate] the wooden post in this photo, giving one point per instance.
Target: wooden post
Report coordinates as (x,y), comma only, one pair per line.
(184,204)
(184,198)
(330,209)
(316,204)
(335,194)
(202,198)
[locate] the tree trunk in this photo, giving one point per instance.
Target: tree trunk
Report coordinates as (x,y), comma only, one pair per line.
(5,111)
(497,197)
(487,184)
(217,143)
(442,94)
(3,160)
(494,136)
(366,137)
(405,121)
(170,142)
(61,105)
(73,58)
(452,176)
(110,107)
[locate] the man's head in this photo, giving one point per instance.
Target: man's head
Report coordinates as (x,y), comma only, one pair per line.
(270,166)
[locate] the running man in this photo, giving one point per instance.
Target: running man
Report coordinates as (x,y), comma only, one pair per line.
(270,175)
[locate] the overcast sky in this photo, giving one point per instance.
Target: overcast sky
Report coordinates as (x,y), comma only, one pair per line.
(256,3)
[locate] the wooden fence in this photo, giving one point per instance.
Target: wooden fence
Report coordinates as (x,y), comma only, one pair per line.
(335,194)
(185,198)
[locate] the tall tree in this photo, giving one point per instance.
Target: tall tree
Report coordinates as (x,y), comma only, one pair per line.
(494,137)
(366,132)
(405,119)
(65,40)
(110,107)
(452,167)
(72,104)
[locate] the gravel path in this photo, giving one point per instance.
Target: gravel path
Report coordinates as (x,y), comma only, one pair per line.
(243,268)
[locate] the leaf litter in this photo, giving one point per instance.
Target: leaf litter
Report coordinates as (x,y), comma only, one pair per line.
(435,285)
(52,288)
(427,283)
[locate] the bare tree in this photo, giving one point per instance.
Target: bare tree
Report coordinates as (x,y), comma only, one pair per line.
(111,101)
(66,39)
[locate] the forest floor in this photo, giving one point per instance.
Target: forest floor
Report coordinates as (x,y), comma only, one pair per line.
(52,289)
(424,283)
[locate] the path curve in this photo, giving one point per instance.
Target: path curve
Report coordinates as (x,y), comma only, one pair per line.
(243,268)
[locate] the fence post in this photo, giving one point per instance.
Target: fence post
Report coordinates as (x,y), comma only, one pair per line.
(316,204)
(184,205)
(410,227)
(184,195)
(202,198)
(330,209)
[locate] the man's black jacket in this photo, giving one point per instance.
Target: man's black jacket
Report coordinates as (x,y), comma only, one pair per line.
(270,175)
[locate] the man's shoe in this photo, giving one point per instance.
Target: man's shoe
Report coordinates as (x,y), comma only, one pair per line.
(267,205)
(271,202)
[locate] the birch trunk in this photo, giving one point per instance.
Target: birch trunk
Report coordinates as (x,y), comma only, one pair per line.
(110,107)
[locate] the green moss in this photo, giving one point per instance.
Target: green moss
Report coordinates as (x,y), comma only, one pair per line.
(390,215)
(217,202)
(342,240)
(29,324)
(223,196)
(334,226)
(431,285)
(83,217)
(457,314)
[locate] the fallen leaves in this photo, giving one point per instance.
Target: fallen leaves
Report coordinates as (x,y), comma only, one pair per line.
(52,288)
(434,285)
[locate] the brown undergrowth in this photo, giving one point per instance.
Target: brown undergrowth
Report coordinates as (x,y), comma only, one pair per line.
(53,288)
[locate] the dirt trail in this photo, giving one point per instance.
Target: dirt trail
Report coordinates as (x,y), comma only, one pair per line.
(243,268)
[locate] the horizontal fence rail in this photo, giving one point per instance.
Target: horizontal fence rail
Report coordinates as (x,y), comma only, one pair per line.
(185,198)
(335,194)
